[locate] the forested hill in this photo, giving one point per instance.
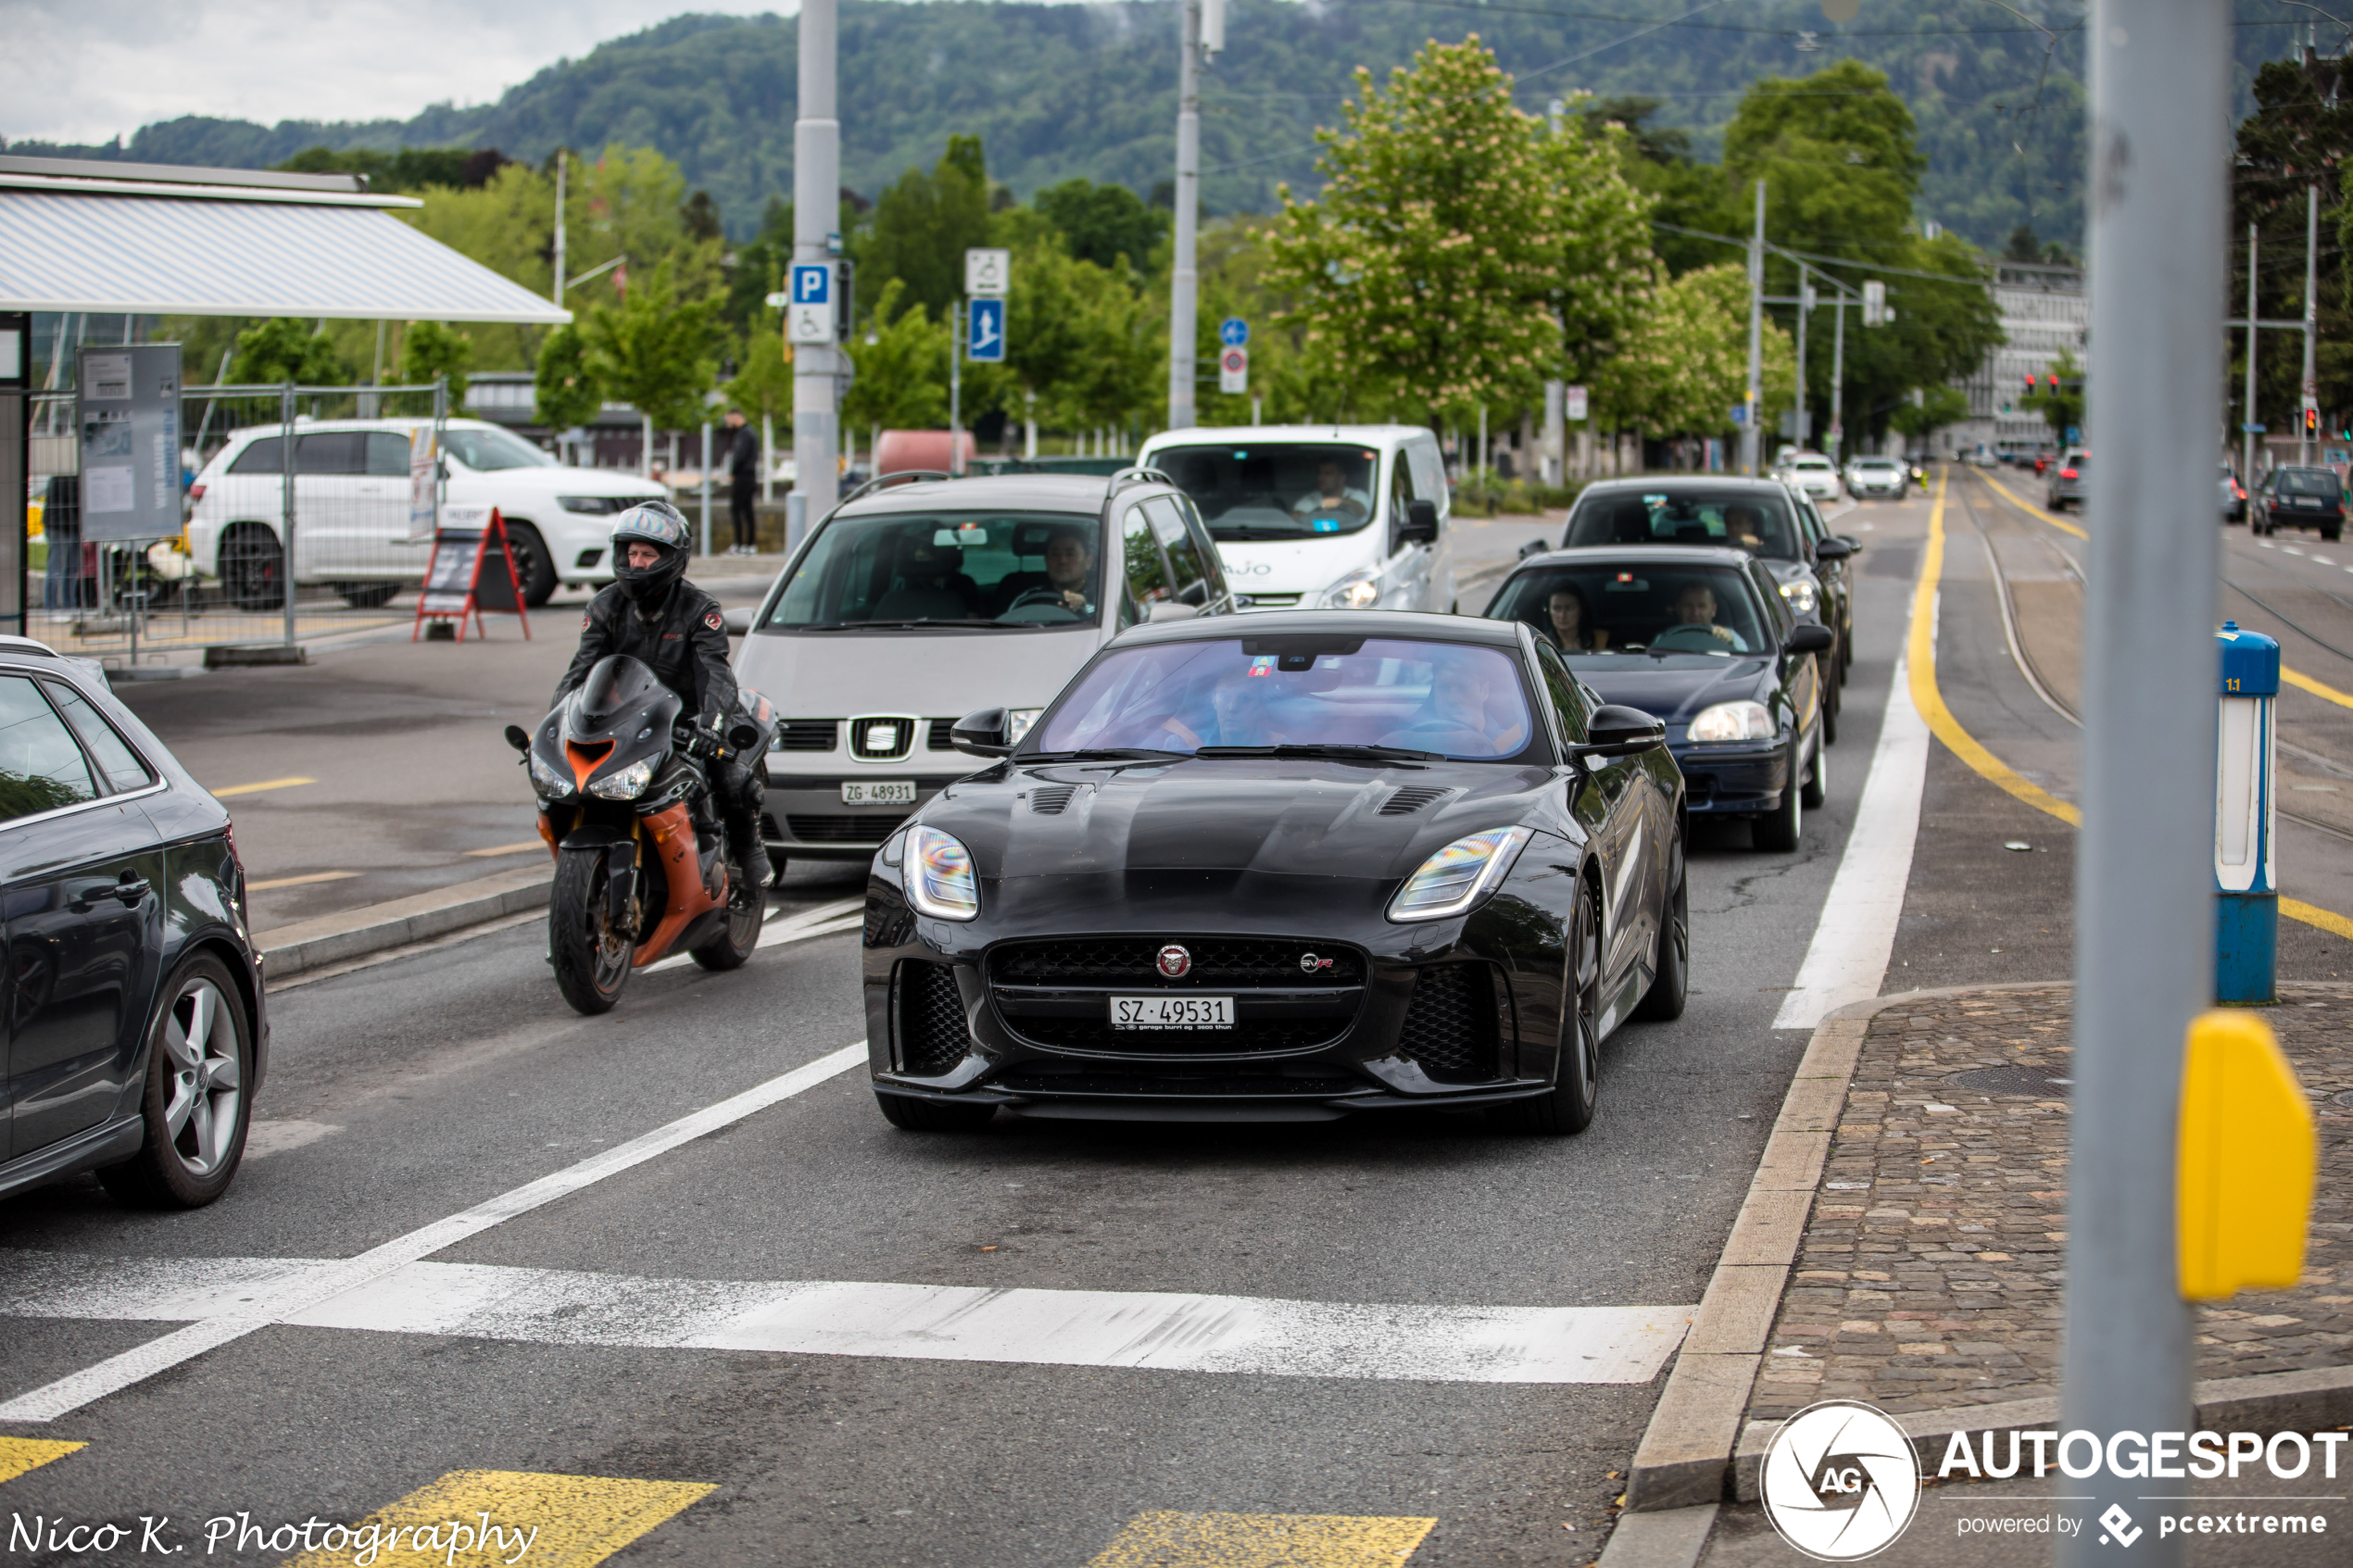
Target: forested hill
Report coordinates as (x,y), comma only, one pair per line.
(1066,90)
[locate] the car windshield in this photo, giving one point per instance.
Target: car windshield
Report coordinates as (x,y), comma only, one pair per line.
(1448,700)
(920,566)
(1883,464)
(485,451)
(2307,481)
(1276,490)
(1613,608)
(1759,523)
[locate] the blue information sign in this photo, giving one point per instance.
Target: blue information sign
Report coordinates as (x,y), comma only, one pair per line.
(812,284)
(1234,333)
(985,331)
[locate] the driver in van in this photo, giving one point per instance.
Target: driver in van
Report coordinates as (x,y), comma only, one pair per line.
(1333,497)
(1695,606)
(1069,563)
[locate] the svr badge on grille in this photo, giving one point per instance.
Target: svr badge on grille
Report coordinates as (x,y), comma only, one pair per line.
(1175,962)
(1310,963)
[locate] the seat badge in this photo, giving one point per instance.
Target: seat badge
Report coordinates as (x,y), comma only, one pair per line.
(1175,962)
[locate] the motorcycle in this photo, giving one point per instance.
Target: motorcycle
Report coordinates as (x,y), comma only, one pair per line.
(643,866)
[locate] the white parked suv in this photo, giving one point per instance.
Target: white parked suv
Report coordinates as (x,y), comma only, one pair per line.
(1813,475)
(351,508)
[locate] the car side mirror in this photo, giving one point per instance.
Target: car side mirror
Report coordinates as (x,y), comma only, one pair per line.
(1616,730)
(1421,524)
(1809,638)
(981,734)
(1533,548)
(1832,549)
(519,737)
(1854,546)
(1168,610)
(737,619)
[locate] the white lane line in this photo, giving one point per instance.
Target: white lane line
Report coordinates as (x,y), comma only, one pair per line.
(1157,1330)
(279,1300)
(1847,959)
(822,921)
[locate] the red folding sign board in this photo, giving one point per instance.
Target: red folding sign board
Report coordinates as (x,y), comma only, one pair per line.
(472,571)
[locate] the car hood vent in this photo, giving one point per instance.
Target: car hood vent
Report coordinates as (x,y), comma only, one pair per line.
(1047,800)
(1411,799)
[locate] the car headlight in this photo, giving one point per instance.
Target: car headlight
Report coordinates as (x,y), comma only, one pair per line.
(940,881)
(1799,592)
(547,780)
(1017,722)
(1359,590)
(1733,721)
(627,785)
(1455,878)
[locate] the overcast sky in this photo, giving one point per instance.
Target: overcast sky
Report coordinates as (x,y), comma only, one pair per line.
(85,71)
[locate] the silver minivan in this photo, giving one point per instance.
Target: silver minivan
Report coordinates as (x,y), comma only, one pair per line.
(913,604)
(1321,517)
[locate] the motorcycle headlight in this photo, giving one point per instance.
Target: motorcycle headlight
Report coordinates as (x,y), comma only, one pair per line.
(627,785)
(547,780)
(940,881)
(1457,876)
(1017,722)
(1799,592)
(1733,721)
(1359,590)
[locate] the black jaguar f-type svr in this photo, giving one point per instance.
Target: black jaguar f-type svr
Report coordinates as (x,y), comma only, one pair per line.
(1284,867)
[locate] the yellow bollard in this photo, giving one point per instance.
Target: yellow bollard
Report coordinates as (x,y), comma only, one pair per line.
(2247,1154)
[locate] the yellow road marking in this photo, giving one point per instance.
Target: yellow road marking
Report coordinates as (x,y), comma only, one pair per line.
(2054,520)
(257,789)
(509,849)
(1263,1540)
(546,1521)
(297,881)
(2304,682)
(20,1454)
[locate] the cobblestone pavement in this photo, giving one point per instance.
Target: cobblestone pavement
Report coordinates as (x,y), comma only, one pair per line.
(1930,1275)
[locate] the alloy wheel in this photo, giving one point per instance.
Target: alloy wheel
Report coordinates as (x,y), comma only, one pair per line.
(207,1083)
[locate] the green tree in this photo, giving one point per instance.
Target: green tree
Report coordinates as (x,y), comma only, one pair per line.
(1682,364)
(653,350)
(923,225)
(1425,272)
(283,349)
(430,349)
(565,390)
(1928,410)
(1108,225)
(902,372)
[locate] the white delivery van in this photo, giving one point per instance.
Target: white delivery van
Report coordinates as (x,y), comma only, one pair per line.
(1340,517)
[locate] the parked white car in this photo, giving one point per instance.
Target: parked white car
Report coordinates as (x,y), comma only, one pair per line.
(351,508)
(1320,517)
(1813,475)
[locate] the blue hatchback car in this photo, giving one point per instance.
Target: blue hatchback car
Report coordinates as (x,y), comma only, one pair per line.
(1701,636)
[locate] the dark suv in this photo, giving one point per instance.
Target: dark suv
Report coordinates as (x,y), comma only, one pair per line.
(2301,498)
(136,1038)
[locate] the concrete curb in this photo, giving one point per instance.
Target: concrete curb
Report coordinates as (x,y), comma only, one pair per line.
(290,949)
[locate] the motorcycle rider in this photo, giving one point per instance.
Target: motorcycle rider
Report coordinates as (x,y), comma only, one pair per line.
(654,615)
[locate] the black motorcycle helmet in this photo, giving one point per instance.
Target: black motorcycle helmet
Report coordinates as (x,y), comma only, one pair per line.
(650,523)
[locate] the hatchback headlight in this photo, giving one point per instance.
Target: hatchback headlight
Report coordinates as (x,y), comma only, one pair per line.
(547,780)
(1799,592)
(1733,721)
(1457,876)
(1017,722)
(1359,590)
(627,785)
(940,881)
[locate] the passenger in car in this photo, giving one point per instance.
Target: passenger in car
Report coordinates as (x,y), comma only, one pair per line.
(1571,626)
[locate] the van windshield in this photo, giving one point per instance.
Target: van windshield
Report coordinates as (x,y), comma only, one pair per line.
(918,568)
(1276,489)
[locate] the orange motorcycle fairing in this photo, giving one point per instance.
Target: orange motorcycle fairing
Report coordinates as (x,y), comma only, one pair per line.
(672,836)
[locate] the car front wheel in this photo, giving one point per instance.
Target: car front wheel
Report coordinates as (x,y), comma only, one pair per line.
(196,1105)
(1779,829)
(1568,1108)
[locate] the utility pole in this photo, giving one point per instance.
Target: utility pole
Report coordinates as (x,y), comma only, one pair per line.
(1749,438)
(1801,427)
(1183,280)
(816,209)
(1838,374)
(558,292)
(2160,159)
(2312,321)
(2248,421)
(956,386)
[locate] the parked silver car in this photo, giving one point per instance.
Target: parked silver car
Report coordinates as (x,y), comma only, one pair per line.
(913,605)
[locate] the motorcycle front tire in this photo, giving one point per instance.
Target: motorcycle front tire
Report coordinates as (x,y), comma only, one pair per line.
(592,962)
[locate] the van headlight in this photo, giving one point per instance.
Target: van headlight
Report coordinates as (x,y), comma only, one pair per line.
(1733,721)
(1457,876)
(1799,592)
(1359,590)
(940,881)
(547,780)
(626,785)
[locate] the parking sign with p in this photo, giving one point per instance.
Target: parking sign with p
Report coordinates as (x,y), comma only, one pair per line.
(808,315)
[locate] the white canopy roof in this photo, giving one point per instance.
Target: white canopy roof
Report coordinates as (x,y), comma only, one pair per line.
(197,246)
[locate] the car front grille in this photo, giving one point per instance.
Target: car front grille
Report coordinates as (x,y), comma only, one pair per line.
(1450,1027)
(809,734)
(840,830)
(1216,961)
(932,1032)
(939,738)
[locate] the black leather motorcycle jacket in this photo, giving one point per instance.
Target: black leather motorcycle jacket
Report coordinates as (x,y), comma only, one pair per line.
(684,642)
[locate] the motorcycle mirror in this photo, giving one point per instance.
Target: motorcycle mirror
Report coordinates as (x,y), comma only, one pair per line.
(518,737)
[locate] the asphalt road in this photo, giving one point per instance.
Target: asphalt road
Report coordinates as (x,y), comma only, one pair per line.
(417,1088)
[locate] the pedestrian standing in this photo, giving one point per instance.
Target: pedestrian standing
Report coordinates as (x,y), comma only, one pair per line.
(743,472)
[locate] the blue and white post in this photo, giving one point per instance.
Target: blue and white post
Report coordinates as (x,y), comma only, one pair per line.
(2247,913)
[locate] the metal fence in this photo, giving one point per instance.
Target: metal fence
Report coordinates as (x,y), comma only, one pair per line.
(270,552)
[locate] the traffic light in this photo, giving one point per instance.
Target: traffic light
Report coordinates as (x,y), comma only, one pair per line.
(2311,424)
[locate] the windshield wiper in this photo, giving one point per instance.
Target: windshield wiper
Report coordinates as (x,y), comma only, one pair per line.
(896,625)
(1326,748)
(1116,754)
